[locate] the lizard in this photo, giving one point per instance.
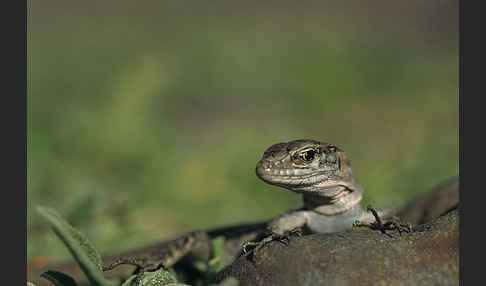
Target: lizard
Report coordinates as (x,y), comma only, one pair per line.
(322,173)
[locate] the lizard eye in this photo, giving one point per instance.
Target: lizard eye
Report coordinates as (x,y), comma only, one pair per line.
(308,155)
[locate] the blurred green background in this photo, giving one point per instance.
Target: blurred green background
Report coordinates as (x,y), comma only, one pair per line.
(146,118)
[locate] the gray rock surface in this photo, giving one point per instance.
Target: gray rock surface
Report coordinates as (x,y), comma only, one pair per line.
(427,256)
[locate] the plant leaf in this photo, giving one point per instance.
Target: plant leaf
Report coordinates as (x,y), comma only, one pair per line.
(58,278)
(218,246)
(154,278)
(80,247)
(215,264)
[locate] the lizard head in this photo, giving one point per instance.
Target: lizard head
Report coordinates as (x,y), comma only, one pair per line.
(307,166)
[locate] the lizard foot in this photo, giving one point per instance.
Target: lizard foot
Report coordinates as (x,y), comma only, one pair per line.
(394,224)
(141,264)
(282,238)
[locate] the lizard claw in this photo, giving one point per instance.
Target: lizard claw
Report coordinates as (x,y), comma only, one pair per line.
(257,245)
(398,226)
(282,238)
(394,224)
(247,246)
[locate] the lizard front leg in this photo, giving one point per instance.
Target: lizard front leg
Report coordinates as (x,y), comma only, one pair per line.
(375,222)
(279,229)
(288,222)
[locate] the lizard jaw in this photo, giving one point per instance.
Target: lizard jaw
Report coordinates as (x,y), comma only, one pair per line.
(297,180)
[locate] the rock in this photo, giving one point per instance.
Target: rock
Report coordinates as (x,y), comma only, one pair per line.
(427,256)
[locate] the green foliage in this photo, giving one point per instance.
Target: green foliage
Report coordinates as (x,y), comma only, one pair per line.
(58,278)
(213,266)
(80,248)
(154,278)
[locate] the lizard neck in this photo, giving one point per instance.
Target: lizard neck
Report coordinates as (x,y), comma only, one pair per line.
(340,199)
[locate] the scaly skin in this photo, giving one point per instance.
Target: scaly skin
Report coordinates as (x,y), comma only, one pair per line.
(322,173)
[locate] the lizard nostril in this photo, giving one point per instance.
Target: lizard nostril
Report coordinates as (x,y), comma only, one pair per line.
(263,166)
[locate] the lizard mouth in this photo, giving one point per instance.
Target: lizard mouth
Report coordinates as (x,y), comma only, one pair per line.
(268,174)
(287,177)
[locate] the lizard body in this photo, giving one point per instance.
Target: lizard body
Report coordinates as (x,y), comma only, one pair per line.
(322,173)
